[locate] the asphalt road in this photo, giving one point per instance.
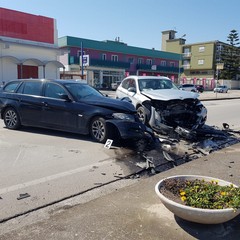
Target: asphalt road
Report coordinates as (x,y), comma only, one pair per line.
(226,111)
(40,167)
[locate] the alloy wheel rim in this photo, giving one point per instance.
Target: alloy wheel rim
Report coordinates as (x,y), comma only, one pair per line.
(11,118)
(98,130)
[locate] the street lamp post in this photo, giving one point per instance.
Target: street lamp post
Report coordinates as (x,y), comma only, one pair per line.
(219,66)
(1,58)
(179,67)
(82,59)
(181,42)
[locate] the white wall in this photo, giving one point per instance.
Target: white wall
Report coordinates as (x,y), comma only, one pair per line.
(22,51)
(8,70)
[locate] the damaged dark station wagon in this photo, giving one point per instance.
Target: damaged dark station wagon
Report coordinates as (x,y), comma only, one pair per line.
(161,105)
(68,105)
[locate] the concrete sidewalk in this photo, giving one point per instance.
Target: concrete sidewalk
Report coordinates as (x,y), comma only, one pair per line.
(135,211)
(210,95)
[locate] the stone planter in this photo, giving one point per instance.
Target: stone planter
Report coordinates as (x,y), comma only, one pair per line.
(198,215)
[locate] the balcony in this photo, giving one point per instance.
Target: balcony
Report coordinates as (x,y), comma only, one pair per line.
(187,55)
(158,68)
(101,63)
(186,66)
(110,64)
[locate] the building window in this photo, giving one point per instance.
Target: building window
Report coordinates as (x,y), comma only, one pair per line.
(163,63)
(200,62)
(140,61)
(131,60)
(114,58)
(104,56)
(201,49)
(149,62)
(79,53)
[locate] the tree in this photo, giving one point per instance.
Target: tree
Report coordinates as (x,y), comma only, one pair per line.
(230,56)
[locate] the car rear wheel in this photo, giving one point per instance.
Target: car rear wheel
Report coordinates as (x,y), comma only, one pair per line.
(98,129)
(142,115)
(11,119)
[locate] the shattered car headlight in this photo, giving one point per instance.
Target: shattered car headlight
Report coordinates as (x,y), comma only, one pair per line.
(124,116)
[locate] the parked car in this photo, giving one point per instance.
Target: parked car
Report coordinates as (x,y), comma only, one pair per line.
(188,87)
(115,85)
(200,88)
(161,105)
(68,105)
(221,89)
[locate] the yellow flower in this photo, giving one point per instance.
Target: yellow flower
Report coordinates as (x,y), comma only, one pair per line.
(183,198)
(223,193)
(214,181)
(182,193)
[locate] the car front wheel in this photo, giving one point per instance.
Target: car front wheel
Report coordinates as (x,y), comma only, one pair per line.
(98,129)
(11,119)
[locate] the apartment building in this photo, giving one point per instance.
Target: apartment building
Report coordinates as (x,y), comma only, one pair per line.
(102,63)
(199,60)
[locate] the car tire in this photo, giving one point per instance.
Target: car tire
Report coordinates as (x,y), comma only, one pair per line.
(98,129)
(11,119)
(142,114)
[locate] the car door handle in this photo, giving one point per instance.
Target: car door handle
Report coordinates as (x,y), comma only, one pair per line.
(45,104)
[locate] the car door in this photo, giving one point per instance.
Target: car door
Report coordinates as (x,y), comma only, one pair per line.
(30,104)
(127,89)
(58,112)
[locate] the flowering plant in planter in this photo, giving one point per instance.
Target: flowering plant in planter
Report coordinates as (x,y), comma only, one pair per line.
(199,199)
(203,194)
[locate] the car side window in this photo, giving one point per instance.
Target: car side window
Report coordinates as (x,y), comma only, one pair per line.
(32,88)
(53,90)
(125,84)
(132,83)
(11,87)
(129,83)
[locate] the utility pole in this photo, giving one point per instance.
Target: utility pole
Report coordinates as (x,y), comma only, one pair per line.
(82,59)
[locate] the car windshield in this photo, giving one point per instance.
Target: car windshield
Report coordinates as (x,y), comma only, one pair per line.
(81,91)
(155,84)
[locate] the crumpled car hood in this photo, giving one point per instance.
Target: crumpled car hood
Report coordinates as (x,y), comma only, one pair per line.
(110,103)
(169,94)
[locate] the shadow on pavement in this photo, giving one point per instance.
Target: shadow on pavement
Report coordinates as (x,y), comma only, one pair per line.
(228,230)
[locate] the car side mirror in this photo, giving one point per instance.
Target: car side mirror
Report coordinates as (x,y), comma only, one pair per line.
(65,97)
(132,89)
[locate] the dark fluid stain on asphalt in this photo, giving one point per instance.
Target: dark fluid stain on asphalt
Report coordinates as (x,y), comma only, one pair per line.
(163,153)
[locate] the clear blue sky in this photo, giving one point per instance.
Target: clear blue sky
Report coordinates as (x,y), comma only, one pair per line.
(137,22)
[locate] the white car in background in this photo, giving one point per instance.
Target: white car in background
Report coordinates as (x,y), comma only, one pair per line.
(115,85)
(161,105)
(188,87)
(221,89)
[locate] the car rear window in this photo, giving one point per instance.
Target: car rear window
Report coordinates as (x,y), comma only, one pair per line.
(11,87)
(32,88)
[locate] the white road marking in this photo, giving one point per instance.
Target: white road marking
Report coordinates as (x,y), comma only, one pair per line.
(52,177)
(18,157)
